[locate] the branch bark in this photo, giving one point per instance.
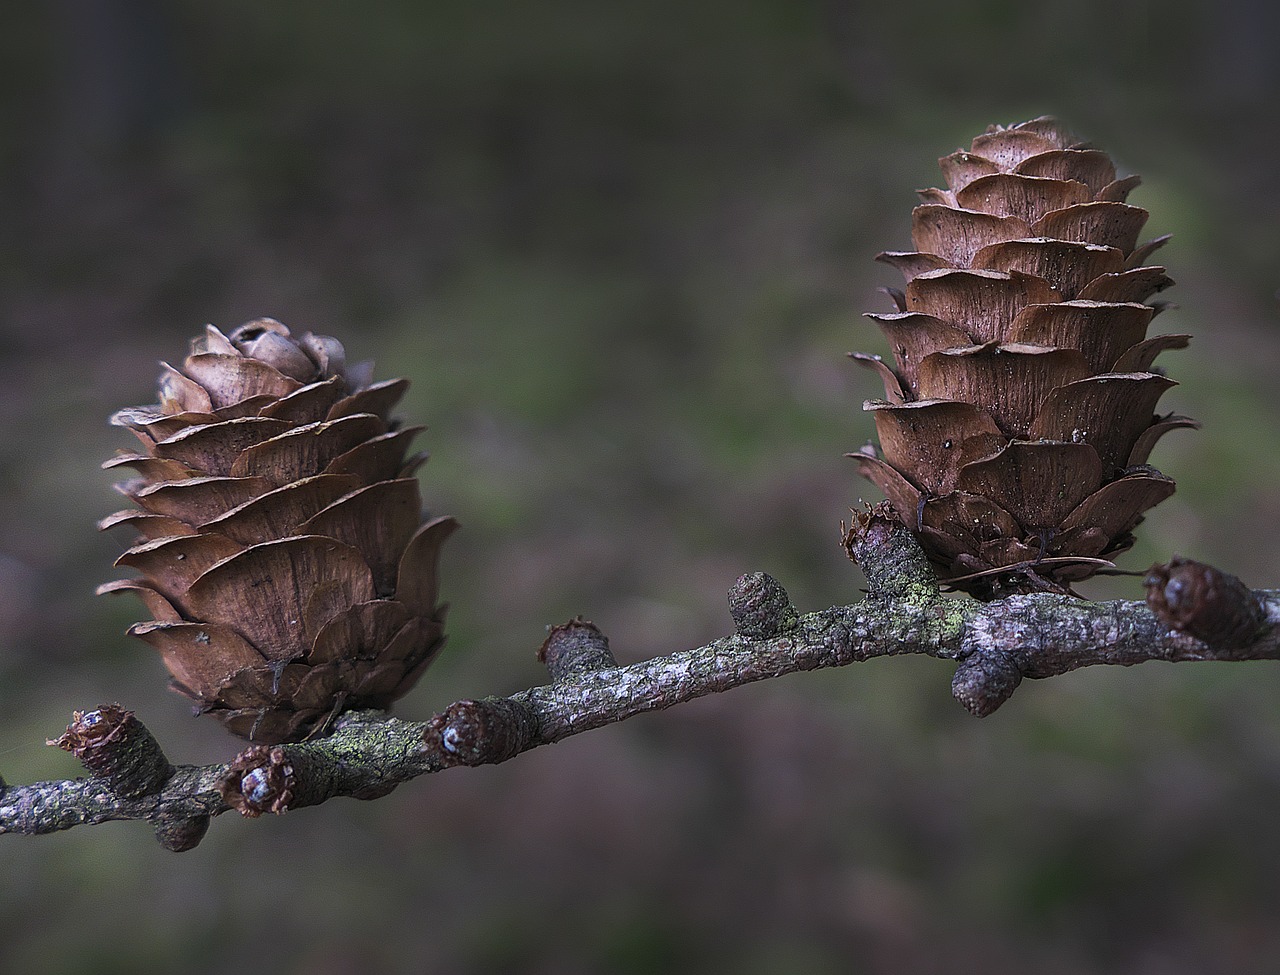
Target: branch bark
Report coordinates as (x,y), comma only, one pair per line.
(368,753)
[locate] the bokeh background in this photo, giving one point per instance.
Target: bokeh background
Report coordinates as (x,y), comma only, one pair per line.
(621,250)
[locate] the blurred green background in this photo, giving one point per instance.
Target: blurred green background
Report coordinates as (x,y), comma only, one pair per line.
(621,250)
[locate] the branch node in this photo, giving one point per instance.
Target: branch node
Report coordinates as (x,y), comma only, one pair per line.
(575,648)
(889,555)
(984,680)
(178,833)
(1207,603)
(481,732)
(114,745)
(760,607)
(260,779)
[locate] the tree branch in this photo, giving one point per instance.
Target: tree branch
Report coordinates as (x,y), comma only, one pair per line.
(1193,612)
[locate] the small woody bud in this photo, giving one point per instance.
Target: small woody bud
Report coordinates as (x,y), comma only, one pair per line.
(481,732)
(760,607)
(884,548)
(260,779)
(575,647)
(178,834)
(1205,602)
(114,745)
(984,681)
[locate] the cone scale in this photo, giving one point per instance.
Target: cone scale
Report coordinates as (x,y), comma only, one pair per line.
(1020,401)
(280,541)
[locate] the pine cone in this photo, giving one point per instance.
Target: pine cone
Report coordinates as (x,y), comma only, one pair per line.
(1020,411)
(281,547)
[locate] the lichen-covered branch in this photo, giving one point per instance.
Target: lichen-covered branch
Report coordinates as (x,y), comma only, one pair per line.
(1193,612)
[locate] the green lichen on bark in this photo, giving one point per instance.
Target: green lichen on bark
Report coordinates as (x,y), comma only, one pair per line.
(889,556)
(366,757)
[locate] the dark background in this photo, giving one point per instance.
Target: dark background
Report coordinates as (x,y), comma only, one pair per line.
(621,251)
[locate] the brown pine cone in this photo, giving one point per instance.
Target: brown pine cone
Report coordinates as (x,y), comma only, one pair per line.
(1020,410)
(281,544)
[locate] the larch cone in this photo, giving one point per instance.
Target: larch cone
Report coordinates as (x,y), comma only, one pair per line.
(1020,409)
(281,543)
